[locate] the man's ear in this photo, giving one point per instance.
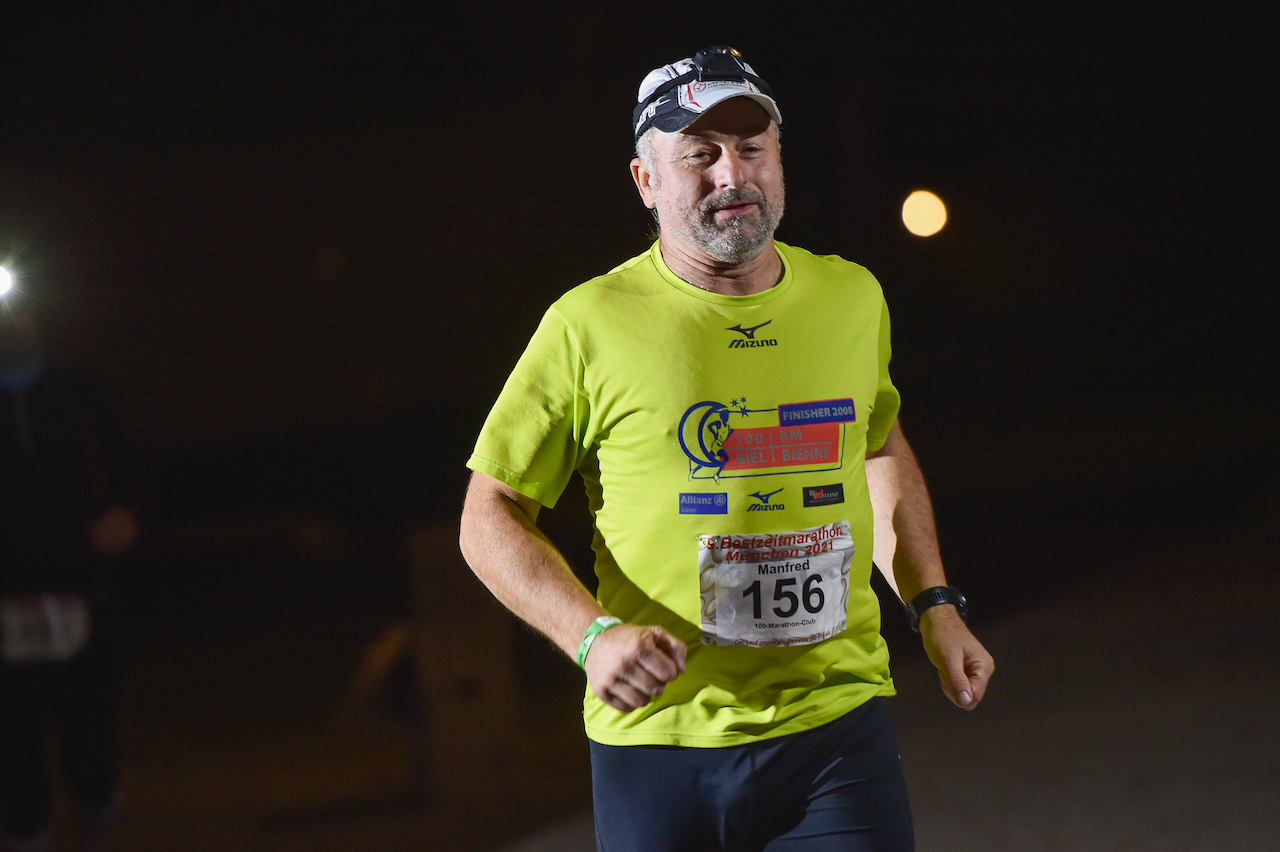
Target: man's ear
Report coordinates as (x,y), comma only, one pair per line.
(644,182)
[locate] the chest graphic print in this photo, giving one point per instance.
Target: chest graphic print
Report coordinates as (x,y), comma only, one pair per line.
(735,440)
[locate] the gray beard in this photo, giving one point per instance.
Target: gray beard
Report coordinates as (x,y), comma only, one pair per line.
(739,239)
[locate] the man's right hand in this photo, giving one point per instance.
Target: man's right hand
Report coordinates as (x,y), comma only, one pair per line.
(630,664)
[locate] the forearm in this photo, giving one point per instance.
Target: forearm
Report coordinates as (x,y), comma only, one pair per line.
(884,499)
(520,565)
(900,499)
(903,510)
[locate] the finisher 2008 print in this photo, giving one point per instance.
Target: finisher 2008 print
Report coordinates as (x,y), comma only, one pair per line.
(736,440)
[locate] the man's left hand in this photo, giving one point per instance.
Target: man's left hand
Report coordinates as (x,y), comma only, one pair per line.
(963,665)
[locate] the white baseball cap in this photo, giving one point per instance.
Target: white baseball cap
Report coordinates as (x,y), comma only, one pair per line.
(674,96)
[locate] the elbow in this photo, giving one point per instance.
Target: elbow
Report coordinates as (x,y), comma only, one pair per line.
(466,535)
(481,516)
(491,513)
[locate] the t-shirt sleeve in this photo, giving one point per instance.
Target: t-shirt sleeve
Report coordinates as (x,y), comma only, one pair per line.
(885,410)
(534,436)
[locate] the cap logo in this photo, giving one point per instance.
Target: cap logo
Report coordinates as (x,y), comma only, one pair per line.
(651,110)
(688,93)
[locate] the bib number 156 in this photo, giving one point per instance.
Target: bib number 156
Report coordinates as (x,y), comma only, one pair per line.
(772,589)
(810,595)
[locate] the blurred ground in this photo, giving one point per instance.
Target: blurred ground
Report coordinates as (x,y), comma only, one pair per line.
(1132,708)
(242,727)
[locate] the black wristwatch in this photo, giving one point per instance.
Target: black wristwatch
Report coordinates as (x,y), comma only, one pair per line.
(932,597)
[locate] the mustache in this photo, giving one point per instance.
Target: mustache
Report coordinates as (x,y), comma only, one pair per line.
(729,198)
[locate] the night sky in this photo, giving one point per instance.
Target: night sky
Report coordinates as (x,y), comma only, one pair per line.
(302,250)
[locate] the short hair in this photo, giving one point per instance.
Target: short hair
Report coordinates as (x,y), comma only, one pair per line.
(644,147)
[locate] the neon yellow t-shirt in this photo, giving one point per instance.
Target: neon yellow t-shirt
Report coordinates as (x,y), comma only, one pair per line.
(701,424)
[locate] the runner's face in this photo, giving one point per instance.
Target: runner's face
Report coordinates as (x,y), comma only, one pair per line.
(717,185)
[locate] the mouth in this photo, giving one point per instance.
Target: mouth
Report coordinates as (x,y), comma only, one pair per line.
(734,210)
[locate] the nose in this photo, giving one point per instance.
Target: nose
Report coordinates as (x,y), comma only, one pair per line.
(730,170)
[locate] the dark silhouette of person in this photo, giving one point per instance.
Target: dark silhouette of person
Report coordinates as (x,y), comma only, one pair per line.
(64,524)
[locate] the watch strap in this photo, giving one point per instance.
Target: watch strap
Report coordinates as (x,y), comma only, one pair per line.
(935,597)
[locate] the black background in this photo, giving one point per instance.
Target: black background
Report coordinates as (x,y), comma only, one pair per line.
(303,249)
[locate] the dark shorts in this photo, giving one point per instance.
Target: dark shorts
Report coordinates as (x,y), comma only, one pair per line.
(836,787)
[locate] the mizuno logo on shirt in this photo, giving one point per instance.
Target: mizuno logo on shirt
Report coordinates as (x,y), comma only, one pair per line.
(748,339)
(764,505)
(749,333)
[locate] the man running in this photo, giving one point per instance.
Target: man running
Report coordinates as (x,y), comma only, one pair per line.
(727,401)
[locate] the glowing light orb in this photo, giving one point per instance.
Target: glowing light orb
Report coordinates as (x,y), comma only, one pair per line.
(6,281)
(923,213)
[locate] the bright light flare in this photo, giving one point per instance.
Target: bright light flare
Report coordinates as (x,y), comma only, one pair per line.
(923,213)
(6,281)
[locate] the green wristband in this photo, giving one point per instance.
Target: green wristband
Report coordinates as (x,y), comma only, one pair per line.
(597,627)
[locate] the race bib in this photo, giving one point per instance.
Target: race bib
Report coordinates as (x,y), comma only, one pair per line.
(42,628)
(770,589)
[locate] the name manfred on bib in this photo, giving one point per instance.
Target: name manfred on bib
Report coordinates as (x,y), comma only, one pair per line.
(771,589)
